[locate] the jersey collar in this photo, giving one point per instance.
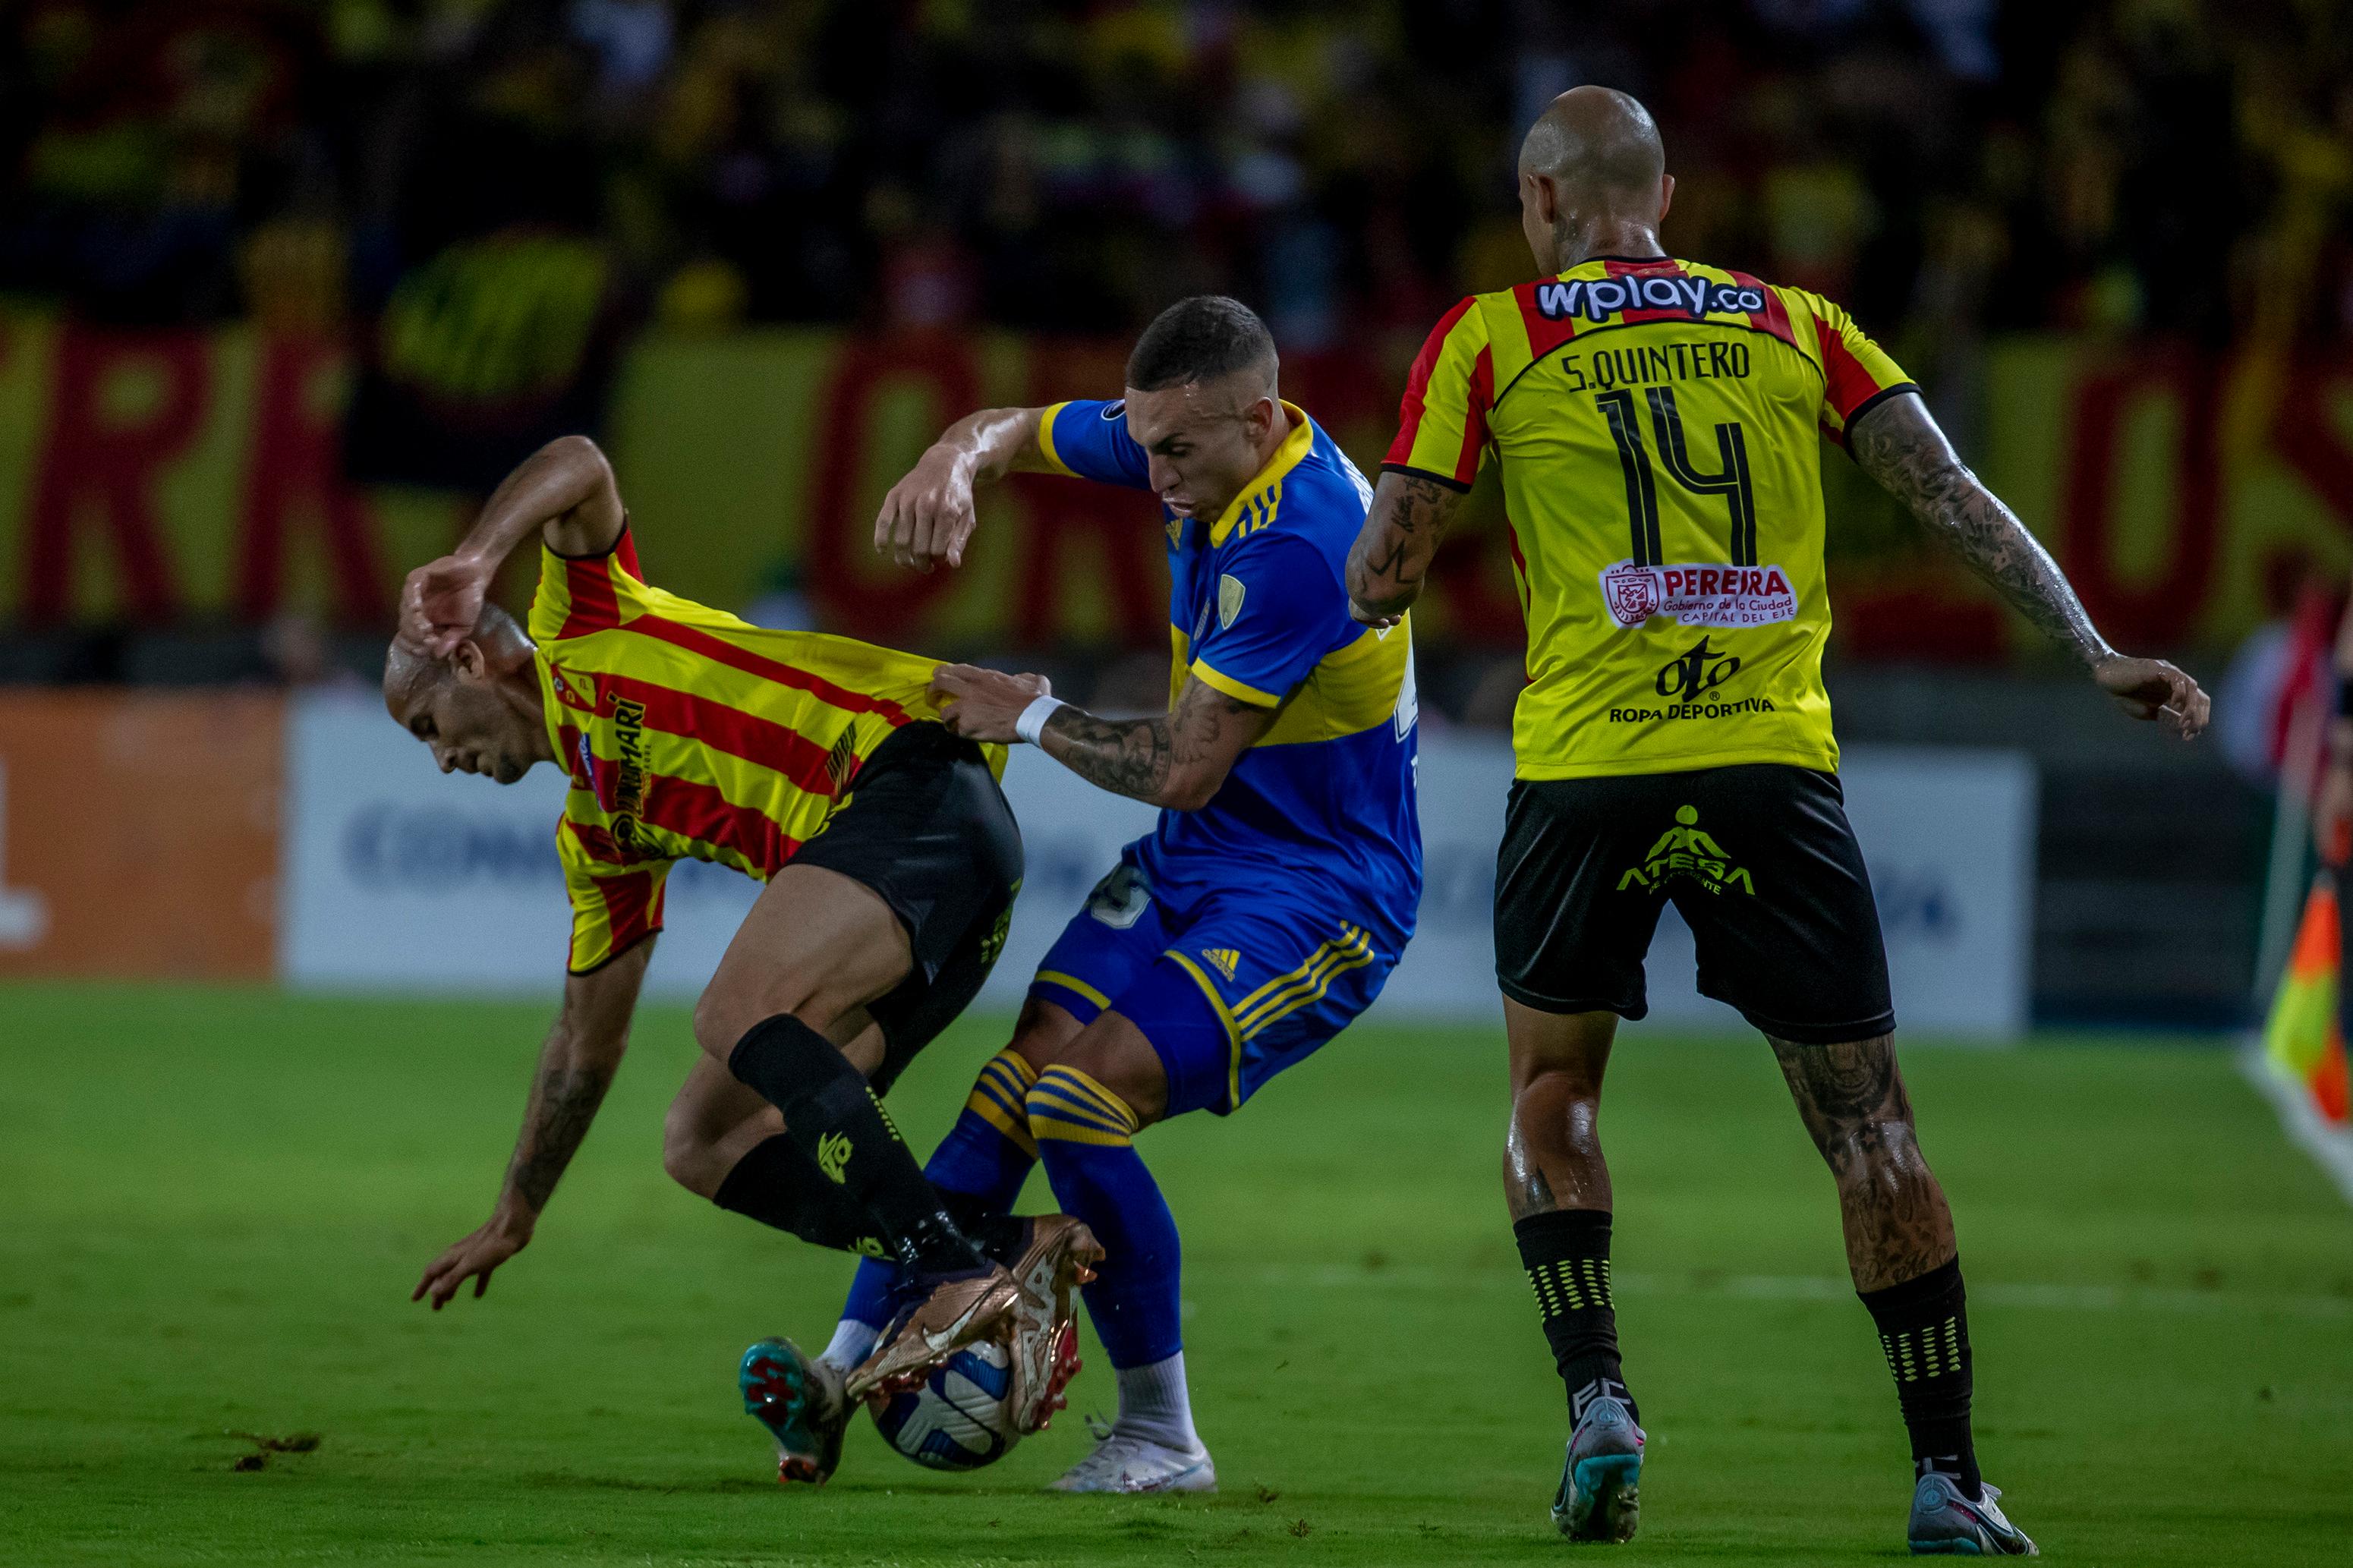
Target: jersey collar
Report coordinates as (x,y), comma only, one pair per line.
(552,706)
(1293,450)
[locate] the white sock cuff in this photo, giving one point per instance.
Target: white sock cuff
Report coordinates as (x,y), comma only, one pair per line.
(852,1342)
(1154,1402)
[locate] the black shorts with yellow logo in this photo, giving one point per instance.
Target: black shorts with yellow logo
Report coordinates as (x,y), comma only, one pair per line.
(1760,860)
(927,827)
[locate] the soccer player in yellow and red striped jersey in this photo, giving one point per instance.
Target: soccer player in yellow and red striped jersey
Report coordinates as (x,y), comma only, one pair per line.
(1655,422)
(818,766)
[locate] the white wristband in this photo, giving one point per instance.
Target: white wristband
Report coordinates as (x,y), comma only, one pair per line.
(1032,723)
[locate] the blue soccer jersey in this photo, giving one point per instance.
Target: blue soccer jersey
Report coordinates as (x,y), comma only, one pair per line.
(1321,810)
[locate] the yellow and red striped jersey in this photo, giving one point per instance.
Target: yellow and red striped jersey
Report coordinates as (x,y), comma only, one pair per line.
(1656,421)
(690,733)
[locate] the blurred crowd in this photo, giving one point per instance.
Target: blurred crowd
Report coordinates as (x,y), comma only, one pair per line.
(1948,166)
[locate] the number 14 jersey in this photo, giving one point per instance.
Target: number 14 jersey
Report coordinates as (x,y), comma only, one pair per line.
(1656,422)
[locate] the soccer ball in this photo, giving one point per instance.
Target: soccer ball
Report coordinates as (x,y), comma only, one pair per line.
(957,1419)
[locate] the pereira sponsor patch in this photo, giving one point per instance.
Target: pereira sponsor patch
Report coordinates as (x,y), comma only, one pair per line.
(1698,594)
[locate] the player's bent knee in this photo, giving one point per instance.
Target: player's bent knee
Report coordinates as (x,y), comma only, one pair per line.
(1041,1034)
(1112,1051)
(689,1154)
(683,1158)
(726,1013)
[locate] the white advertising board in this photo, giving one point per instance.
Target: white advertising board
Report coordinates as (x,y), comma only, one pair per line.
(396,876)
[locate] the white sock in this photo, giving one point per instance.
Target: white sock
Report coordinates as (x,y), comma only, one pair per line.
(1153,1406)
(852,1342)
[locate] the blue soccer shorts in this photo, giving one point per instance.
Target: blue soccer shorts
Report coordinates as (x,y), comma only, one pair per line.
(1230,991)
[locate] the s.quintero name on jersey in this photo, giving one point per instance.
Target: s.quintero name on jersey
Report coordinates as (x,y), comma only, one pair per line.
(1662,484)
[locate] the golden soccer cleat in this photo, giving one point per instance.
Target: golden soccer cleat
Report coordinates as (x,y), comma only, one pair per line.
(1059,1256)
(957,1313)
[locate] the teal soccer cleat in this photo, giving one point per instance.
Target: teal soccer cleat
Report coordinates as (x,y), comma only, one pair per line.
(1598,1498)
(1943,1521)
(800,1401)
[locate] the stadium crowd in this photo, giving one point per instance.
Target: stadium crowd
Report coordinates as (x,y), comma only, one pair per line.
(1948,166)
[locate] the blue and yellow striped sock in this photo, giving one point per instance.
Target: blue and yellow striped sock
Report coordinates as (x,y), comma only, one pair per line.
(1086,1136)
(978,1169)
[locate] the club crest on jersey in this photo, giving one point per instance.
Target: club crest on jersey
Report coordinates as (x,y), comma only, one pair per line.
(572,691)
(1698,595)
(1230,598)
(1599,299)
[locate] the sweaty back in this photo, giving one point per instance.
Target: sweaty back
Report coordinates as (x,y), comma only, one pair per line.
(1657,421)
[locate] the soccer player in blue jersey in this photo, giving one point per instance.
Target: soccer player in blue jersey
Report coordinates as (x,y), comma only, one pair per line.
(1263,911)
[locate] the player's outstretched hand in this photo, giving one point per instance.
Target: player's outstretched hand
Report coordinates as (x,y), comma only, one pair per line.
(982,704)
(441,601)
(472,1259)
(928,516)
(2152,688)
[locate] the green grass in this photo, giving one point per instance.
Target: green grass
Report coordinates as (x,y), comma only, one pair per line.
(213,1205)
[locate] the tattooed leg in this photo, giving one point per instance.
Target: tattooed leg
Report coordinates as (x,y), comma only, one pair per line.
(1552,1156)
(1852,1099)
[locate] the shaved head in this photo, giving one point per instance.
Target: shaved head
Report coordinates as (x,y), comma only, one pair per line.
(479,708)
(1592,168)
(1596,139)
(410,673)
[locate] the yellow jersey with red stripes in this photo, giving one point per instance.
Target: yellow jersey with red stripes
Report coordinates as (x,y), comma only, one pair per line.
(1656,422)
(690,733)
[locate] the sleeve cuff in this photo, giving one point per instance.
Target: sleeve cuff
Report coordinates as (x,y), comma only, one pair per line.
(1046,440)
(1239,690)
(621,952)
(1868,403)
(1451,483)
(607,553)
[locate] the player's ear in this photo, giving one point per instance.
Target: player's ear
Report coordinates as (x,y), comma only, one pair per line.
(1544,196)
(470,661)
(1260,417)
(1666,194)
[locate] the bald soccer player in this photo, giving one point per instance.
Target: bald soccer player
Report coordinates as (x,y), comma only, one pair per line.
(1656,423)
(818,766)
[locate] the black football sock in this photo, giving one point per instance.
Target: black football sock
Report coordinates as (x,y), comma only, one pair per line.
(778,1186)
(1923,1327)
(999,1236)
(833,1117)
(1568,1256)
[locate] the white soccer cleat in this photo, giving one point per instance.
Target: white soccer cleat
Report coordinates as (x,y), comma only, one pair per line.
(1121,1463)
(1944,1521)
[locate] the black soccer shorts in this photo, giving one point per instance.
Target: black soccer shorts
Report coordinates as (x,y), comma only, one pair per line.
(927,827)
(1761,863)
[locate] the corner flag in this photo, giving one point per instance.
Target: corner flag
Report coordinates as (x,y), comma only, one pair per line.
(2303,1038)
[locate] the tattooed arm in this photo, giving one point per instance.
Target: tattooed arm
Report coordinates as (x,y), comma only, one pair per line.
(1175,760)
(1898,443)
(1393,550)
(576,1065)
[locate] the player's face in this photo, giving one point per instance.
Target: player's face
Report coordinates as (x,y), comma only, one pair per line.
(468,725)
(1203,439)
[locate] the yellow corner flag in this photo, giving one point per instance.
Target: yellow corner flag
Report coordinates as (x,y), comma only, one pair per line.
(2302,1038)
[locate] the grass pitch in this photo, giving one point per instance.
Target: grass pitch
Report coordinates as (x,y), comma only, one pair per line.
(216,1203)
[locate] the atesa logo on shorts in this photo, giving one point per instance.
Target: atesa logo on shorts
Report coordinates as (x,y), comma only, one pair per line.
(1599,299)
